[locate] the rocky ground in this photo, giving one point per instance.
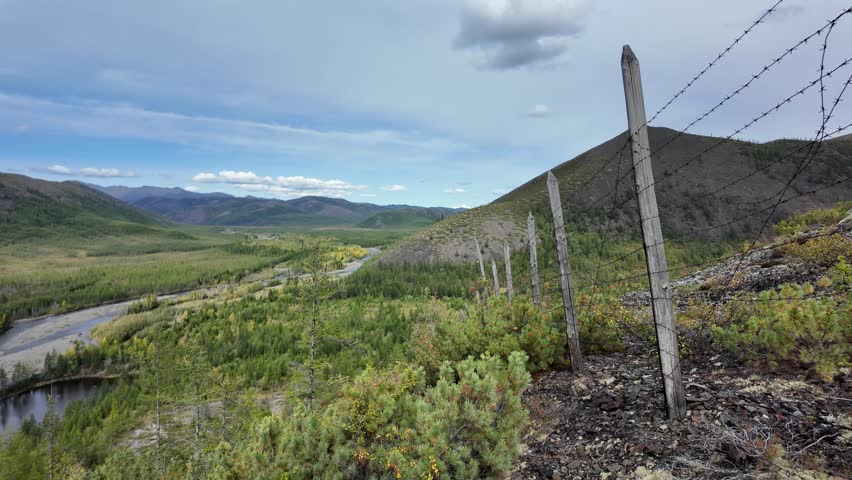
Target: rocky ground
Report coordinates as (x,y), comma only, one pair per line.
(757,270)
(742,422)
(610,422)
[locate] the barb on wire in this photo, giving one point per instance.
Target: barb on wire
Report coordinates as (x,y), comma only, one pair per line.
(714,61)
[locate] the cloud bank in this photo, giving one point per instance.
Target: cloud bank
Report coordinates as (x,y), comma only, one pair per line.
(84,172)
(115,120)
(517,33)
(282,187)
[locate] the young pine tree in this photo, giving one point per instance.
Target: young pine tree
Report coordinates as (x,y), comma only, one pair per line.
(194,388)
(314,291)
(50,425)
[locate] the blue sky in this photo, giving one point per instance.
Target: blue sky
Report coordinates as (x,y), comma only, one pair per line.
(429,102)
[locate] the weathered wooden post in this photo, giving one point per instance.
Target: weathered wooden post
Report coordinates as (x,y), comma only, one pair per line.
(652,236)
(565,278)
(506,255)
(496,278)
(479,256)
(536,293)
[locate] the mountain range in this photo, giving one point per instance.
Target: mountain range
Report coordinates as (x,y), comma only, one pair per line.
(27,203)
(196,208)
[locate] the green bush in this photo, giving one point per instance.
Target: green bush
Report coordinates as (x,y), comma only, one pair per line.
(802,221)
(144,304)
(789,324)
(599,316)
(840,274)
(501,328)
(822,251)
(389,424)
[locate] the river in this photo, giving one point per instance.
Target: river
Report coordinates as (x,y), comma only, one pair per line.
(33,403)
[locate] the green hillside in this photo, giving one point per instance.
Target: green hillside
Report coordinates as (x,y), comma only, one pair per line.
(684,177)
(413,217)
(37,211)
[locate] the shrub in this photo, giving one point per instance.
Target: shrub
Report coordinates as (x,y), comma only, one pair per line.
(802,221)
(599,316)
(501,328)
(389,424)
(144,304)
(786,324)
(822,251)
(840,274)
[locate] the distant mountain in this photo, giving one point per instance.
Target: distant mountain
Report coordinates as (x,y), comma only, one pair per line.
(222,209)
(32,209)
(134,194)
(409,217)
(764,169)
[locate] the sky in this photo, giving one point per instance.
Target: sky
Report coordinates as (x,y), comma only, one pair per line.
(425,102)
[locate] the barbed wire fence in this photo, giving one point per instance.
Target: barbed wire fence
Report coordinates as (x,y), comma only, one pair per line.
(566,267)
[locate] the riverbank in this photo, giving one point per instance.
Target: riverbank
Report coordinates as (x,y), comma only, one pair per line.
(36,384)
(27,342)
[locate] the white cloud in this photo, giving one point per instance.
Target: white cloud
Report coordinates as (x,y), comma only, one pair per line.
(104,172)
(460,206)
(285,187)
(538,111)
(84,172)
(394,188)
(454,190)
(60,170)
(192,188)
(99,119)
(231,176)
(516,33)
(206,177)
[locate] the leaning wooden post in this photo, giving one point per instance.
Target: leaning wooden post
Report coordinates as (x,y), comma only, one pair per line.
(479,256)
(565,278)
(496,278)
(506,256)
(536,293)
(652,236)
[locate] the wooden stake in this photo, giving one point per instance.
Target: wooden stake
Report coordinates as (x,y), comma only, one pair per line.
(506,255)
(496,278)
(565,278)
(652,236)
(481,269)
(479,256)
(536,293)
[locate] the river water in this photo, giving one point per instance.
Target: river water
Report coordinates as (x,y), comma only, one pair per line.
(33,403)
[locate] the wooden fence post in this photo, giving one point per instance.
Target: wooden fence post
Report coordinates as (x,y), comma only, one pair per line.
(496,278)
(479,256)
(536,293)
(565,278)
(506,255)
(652,236)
